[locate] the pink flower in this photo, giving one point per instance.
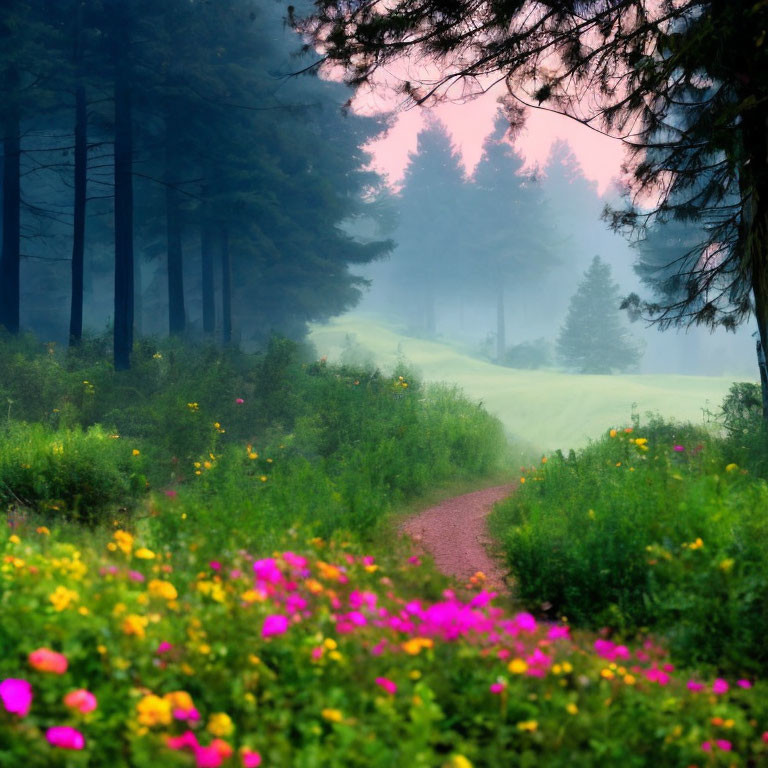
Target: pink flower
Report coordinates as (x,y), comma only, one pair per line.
(556,633)
(743,683)
(720,686)
(215,565)
(187,740)
(171,494)
(64,737)
(497,687)
(678,448)
(276,624)
(239,400)
(724,744)
(706,746)
(694,686)
(267,570)
(208,757)
(388,685)
(251,759)
(46,660)
(164,647)
(81,700)
(16,696)
(764,737)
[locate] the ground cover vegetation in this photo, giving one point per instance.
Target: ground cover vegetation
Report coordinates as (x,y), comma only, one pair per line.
(658,526)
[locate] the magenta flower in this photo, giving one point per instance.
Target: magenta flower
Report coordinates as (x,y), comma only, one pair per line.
(251,759)
(81,700)
(706,746)
(497,687)
(743,683)
(720,686)
(215,565)
(187,740)
(64,737)
(724,744)
(16,696)
(694,686)
(208,757)
(164,647)
(276,624)
(239,400)
(171,494)
(678,448)
(388,685)
(267,570)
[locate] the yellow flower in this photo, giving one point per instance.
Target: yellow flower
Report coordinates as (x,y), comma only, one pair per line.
(62,598)
(458,761)
(517,667)
(179,700)
(135,452)
(152,710)
(133,624)
(253,455)
(330,644)
(220,724)
(263,478)
(612,433)
(328,572)
(528,725)
(727,564)
(144,554)
(630,679)
(43,531)
(332,715)
(14,539)
(607,674)
(415,645)
(253,596)
(162,589)
(522,480)
(543,459)
(731,467)
(570,707)
(207,464)
(123,541)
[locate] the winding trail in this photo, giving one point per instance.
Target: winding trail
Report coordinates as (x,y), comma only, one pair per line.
(454,533)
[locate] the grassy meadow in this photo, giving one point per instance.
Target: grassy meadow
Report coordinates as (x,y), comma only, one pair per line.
(541,408)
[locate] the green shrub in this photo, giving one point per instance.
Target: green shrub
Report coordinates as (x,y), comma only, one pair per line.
(665,532)
(69,472)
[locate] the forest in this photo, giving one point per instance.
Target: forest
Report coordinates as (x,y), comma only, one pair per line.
(383,384)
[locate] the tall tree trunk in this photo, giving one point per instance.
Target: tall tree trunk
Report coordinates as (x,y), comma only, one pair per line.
(123,210)
(176,313)
(11,252)
(501,325)
(754,228)
(78,240)
(138,299)
(206,254)
(81,182)
(226,290)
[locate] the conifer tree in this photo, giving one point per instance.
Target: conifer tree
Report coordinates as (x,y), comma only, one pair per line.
(594,339)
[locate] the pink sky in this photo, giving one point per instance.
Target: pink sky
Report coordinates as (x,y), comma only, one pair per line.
(469,123)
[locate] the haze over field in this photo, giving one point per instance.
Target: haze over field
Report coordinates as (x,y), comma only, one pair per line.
(545,409)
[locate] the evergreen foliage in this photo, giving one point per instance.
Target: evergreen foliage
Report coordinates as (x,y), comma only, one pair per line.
(593,339)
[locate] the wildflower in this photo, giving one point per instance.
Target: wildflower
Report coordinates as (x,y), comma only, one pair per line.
(743,683)
(239,400)
(43,531)
(727,564)
(157,356)
(678,448)
(46,660)
(135,452)
(571,708)
(458,761)
(81,700)
(332,715)
(193,406)
(263,478)
(275,624)
(250,758)
(16,696)
(517,667)
(64,737)
(415,645)
(151,710)
(612,433)
(388,685)
(720,686)
(144,554)
(123,541)
(528,725)
(62,598)
(731,467)
(522,480)
(498,687)
(162,589)
(14,539)
(220,724)
(133,624)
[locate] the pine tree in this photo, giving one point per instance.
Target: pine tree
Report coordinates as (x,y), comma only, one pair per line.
(593,339)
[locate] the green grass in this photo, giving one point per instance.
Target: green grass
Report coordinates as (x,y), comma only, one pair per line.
(545,409)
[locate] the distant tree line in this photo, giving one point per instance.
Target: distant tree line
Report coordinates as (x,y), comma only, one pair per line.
(136,130)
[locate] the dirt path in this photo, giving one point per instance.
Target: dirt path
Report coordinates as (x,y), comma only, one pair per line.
(454,533)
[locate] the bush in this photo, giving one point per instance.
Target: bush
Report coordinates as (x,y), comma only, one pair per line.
(67,472)
(529,355)
(648,528)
